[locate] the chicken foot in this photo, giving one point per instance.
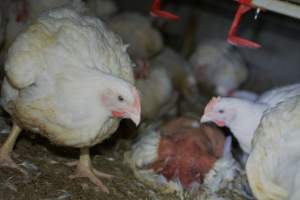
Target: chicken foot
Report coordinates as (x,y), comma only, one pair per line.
(7,148)
(85,169)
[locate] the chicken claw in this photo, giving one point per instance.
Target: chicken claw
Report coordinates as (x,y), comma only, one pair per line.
(85,169)
(6,150)
(6,161)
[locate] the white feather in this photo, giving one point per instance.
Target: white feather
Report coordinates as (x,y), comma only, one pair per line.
(273,165)
(247,114)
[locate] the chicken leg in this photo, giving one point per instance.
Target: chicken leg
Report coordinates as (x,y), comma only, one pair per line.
(7,148)
(85,169)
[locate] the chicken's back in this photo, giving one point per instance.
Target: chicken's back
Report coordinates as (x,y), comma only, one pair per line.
(277,95)
(273,165)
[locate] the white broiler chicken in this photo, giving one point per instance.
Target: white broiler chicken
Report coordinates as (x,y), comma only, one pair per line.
(218,67)
(243,116)
(183,155)
(21,13)
(69,78)
(273,167)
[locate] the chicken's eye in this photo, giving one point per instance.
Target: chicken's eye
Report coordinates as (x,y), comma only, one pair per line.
(221,111)
(120,98)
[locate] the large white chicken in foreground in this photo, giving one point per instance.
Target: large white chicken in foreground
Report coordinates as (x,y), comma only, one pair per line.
(243,116)
(69,78)
(273,167)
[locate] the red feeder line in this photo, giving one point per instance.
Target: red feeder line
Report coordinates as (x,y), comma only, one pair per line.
(156,11)
(245,6)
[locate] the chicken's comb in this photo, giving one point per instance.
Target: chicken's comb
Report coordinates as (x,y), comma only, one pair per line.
(209,107)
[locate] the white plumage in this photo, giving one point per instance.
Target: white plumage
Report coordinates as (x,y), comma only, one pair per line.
(69,78)
(273,167)
(279,94)
(243,116)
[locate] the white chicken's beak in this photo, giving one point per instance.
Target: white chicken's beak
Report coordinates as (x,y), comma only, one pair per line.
(135,115)
(136,118)
(204,118)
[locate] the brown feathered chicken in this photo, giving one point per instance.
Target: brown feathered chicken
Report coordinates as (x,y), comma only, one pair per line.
(184,154)
(69,78)
(187,152)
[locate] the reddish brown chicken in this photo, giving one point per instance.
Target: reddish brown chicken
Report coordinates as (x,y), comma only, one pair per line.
(182,151)
(188,153)
(188,158)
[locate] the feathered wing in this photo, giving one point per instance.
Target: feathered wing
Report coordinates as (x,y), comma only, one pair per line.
(93,46)
(71,41)
(273,166)
(277,95)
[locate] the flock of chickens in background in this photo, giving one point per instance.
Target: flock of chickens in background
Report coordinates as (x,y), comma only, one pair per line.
(69,77)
